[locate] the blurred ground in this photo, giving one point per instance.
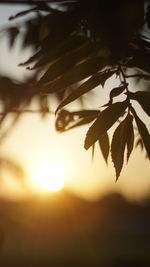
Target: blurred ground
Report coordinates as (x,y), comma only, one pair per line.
(64,230)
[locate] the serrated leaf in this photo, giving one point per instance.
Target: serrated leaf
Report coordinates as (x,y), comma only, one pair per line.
(76,74)
(105,120)
(130,138)
(117,91)
(91,83)
(118,144)
(143,132)
(104,145)
(143,99)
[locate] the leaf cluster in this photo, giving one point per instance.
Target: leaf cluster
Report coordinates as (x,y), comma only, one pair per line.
(81,46)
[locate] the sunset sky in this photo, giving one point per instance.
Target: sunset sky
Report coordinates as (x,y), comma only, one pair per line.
(34,142)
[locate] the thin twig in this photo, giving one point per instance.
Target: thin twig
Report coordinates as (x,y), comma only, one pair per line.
(138,75)
(125,82)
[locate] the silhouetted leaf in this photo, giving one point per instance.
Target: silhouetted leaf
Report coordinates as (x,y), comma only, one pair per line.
(139,142)
(143,98)
(86,113)
(104,76)
(104,145)
(62,120)
(117,91)
(68,120)
(67,61)
(39,6)
(118,144)
(80,122)
(143,132)
(67,40)
(105,120)
(32,59)
(91,83)
(130,137)
(76,74)
(31,35)
(22,13)
(60,50)
(44,31)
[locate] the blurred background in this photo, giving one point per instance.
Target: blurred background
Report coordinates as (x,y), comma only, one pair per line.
(84,218)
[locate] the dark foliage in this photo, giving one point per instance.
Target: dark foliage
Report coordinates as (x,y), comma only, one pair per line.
(77,47)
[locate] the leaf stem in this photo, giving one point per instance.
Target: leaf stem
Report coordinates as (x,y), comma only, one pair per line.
(123,80)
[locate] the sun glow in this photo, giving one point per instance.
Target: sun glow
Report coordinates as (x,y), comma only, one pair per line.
(50,176)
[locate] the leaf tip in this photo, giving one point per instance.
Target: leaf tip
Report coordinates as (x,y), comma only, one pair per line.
(56,111)
(86,146)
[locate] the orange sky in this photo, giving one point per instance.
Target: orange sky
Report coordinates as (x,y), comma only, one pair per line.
(34,141)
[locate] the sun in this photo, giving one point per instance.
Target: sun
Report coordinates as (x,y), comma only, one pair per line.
(50,176)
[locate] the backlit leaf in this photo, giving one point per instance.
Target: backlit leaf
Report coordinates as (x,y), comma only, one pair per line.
(63,119)
(130,138)
(143,132)
(60,50)
(139,142)
(81,122)
(104,145)
(104,121)
(22,13)
(76,74)
(66,62)
(32,59)
(68,120)
(44,31)
(86,113)
(117,91)
(143,98)
(91,83)
(118,144)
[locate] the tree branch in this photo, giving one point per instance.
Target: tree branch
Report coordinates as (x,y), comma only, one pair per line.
(46,110)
